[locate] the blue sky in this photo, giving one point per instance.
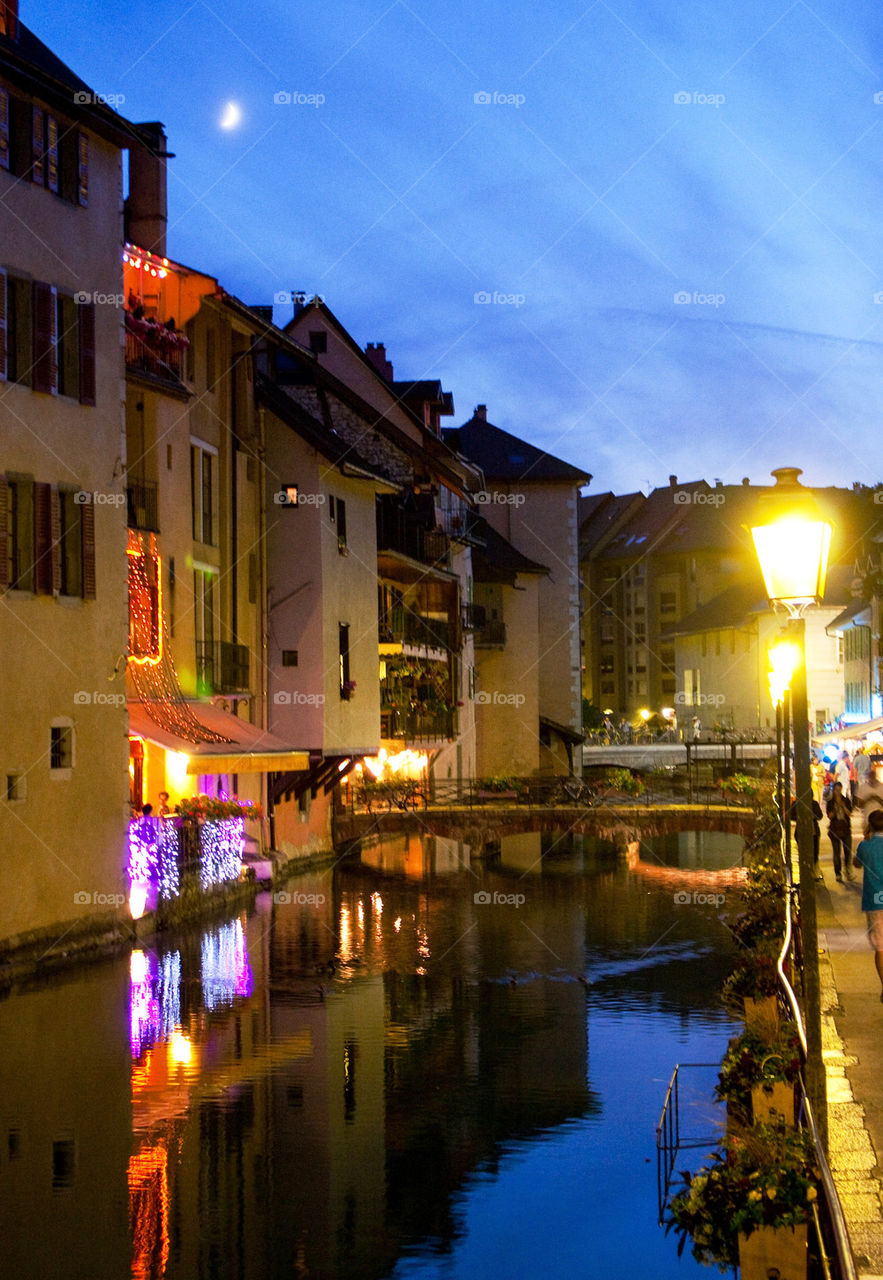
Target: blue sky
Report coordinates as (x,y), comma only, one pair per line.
(729,154)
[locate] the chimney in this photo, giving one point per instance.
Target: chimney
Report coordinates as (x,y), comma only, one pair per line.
(481,412)
(147,204)
(672,482)
(376,353)
(9,19)
(746,481)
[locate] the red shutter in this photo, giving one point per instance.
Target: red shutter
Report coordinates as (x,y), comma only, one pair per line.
(55,537)
(86,340)
(38,146)
(52,153)
(82,169)
(42,540)
(4,534)
(87,515)
(4,128)
(3,324)
(45,332)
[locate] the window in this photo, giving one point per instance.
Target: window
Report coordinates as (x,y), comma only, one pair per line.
(70,544)
(16,788)
(337,513)
(203,487)
(343,659)
(20,536)
(144,607)
(4,115)
(289,657)
(61,747)
(207,679)
(35,144)
(64,1163)
(668,604)
(47,340)
(210,361)
(318,341)
(67,347)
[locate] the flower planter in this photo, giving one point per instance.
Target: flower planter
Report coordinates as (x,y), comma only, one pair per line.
(762,1014)
(782,1248)
(771,1098)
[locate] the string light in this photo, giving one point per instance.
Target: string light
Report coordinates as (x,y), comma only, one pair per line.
(223,842)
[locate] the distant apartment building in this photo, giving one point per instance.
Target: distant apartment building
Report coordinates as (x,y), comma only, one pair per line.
(62,496)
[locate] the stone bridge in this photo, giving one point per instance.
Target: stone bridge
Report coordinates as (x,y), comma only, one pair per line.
(622,825)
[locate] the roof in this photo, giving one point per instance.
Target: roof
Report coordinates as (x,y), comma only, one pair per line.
(731,608)
(322,438)
(598,513)
(497,560)
(249,749)
(34,68)
(503,456)
(851,614)
(427,390)
(565,731)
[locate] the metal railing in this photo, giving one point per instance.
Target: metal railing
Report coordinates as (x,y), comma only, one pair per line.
(397,530)
(405,626)
(146,359)
(222,667)
(491,635)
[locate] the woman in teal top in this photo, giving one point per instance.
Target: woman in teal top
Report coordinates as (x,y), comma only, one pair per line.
(869,855)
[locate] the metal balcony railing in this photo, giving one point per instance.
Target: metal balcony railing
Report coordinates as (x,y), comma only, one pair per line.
(399,531)
(142,505)
(142,358)
(416,725)
(401,625)
(222,667)
(474,617)
(490,636)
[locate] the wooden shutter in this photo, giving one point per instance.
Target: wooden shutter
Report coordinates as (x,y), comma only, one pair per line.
(86,343)
(52,153)
(82,169)
(45,335)
(3,325)
(4,129)
(87,516)
(42,540)
(55,537)
(4,534)
(38,146)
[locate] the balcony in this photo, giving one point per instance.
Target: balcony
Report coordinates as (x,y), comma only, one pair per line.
(222,667)
(142,505)
(492,635)
(141,357)
(399,531)
(416,725)
(403,626)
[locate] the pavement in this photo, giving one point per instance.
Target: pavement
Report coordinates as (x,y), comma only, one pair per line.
(852,1043)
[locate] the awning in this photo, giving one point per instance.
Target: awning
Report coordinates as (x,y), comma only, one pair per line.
(851,614)
(851,731)
(250,749)
(564,731)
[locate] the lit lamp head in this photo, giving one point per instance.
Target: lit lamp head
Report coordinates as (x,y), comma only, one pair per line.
(792,540)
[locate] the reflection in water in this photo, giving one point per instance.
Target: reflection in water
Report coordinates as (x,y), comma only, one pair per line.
(391,1076)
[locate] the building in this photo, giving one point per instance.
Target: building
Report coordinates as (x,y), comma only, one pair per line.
(530,500)
(62,497)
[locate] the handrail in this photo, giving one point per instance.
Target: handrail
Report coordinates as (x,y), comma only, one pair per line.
(838,1220)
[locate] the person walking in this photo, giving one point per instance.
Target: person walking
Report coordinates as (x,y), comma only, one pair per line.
(842,771)
(870,795)
(839,810)
(869,856)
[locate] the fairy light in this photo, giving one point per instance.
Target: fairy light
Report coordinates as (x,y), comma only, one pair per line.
(223,842)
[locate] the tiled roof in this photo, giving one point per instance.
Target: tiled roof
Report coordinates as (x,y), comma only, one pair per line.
(502,456)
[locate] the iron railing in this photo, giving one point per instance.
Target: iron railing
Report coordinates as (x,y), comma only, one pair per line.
(491,635)
(399,531)
(404,626)
(142,358)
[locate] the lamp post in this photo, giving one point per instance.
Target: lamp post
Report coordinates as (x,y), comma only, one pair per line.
(792,542)
(783,658)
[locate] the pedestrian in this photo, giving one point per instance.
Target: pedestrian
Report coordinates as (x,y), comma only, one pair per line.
(816,829)
(164,809)
(841,772)
(862,768)
(869,856)
(839,811)
(870,796)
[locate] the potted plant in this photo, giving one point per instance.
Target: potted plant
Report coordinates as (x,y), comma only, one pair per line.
(624,782)
(758,1074)
(752,988)
(762,924)
(751,1204)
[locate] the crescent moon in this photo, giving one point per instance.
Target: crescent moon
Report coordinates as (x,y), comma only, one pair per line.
(232,116)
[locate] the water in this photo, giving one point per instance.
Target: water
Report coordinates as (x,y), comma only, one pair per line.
(382,1077)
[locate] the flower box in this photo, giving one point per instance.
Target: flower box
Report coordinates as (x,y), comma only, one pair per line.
(762,1014)
(779,1251)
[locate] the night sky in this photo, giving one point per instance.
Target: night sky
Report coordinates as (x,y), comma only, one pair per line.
(727,153)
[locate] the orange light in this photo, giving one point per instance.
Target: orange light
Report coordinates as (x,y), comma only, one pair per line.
(150,660)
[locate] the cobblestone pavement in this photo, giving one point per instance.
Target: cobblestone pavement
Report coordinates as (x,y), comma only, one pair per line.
(852,1042)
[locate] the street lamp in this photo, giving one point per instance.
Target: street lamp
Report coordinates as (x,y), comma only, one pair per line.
(792,541)
(783,656)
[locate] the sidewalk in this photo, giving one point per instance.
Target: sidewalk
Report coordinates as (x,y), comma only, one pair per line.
(852,1039)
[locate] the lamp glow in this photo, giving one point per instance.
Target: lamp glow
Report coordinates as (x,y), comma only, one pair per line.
(783,658)
(793,544)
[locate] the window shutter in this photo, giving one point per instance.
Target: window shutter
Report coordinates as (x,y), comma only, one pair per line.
(82,169)
(86,340)
(45,333)
(42,540)
(3,324)
(87,515)
(52,153)
(55,538)
(4,129)
(4,534)
(38,146)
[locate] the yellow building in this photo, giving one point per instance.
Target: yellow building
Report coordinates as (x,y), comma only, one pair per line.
(62,499)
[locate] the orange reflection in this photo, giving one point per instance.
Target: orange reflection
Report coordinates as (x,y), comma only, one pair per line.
(149,1212)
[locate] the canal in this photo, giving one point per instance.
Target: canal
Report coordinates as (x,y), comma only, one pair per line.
(420,1064)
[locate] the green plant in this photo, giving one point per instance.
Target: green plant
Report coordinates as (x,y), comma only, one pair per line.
(752,1059)
(764,1176)
(762,922)
(754,976)
(741,783)
(624,780)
